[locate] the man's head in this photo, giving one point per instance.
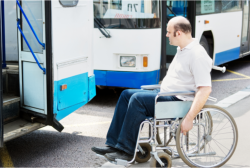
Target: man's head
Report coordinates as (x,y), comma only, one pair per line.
(178,30)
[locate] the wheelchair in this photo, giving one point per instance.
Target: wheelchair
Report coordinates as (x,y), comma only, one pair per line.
(210,143)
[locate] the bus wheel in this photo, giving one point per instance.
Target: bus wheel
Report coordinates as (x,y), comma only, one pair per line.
(204,43)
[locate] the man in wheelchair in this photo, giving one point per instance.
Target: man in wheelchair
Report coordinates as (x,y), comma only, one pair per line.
(189,70)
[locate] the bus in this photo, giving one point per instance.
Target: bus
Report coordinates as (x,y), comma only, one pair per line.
(47,69)
(130,44)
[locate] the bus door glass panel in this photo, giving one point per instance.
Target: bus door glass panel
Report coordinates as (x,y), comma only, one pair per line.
(32,78)
(174,8)
(33,11)
(244,34)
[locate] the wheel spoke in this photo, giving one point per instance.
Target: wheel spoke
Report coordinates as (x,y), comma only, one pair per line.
(215,124)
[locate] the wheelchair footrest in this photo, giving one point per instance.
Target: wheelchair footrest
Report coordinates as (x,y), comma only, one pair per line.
(121,162)
(116,162)
(101,156)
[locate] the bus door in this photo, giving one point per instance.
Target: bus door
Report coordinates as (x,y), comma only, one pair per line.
(172,9)
(245,23)
(55,85)
(32,55)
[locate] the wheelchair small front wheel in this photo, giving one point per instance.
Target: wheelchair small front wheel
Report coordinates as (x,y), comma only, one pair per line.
(164,157)
(141,158)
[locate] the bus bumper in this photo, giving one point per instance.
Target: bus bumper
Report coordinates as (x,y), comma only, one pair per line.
(126,79)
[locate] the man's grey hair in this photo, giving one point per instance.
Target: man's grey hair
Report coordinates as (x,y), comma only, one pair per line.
(185,27)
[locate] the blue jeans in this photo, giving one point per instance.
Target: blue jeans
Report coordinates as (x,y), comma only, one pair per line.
(132,108)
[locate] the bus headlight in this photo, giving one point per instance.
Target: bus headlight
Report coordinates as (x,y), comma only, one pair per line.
(127,61)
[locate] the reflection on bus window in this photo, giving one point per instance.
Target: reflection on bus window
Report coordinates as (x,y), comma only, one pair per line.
(216,6)
(230,6)
(33,10)
(176,8)
(208,7)
(128,13)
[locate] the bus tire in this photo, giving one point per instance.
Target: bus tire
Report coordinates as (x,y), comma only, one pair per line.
(205,44)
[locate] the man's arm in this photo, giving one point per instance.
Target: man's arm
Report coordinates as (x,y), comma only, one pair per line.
(198,103)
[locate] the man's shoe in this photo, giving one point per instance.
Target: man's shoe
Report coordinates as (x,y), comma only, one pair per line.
(104,150)
(118,155)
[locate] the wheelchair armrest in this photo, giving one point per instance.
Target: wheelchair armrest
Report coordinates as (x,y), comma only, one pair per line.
(150,87)
(176,93)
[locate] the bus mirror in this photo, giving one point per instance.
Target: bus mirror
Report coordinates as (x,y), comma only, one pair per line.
(68,3)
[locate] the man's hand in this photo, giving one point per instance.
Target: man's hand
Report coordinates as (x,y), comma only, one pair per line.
(186,125)
(199,101)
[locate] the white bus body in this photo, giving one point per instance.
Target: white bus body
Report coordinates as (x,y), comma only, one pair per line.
(222,29)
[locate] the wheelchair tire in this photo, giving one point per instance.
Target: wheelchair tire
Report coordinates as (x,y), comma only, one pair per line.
(140,158)
(216,143)
(165,158)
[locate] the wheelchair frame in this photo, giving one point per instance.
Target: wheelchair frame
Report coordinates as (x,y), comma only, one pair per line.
(182,109)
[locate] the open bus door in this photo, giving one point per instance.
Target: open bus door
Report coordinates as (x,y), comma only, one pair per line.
(182,8)
(55,59)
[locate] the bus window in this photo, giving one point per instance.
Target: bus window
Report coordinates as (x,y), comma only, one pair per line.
(230,6)
(33,10)
(128,14)
(208,7)
(215,6)
(174,8)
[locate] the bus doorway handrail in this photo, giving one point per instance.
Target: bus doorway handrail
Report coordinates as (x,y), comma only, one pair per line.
(43,69)
(33,54)
(42,44)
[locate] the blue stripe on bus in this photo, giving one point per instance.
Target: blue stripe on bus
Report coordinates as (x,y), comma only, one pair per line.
(80,90)
(227,56)
(126,79)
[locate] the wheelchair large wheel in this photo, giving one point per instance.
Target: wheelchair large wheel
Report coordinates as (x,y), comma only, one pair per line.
(165,158)
(218,147)
(205,119)
(141,158)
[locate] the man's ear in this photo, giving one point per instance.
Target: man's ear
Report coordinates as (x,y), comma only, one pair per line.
(178,33)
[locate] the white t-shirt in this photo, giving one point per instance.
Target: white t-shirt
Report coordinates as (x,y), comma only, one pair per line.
(189,69)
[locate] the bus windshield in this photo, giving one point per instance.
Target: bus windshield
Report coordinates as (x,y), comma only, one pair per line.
(128,14)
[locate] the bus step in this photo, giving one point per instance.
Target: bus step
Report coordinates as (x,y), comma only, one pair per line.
(18,128)
(10,107)
(11,80)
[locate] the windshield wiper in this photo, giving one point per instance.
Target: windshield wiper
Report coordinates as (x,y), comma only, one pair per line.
(101,28)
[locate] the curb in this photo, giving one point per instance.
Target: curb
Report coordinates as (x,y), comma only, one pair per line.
(234,98)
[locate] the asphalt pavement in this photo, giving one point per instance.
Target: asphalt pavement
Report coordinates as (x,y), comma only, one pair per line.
(88,126)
